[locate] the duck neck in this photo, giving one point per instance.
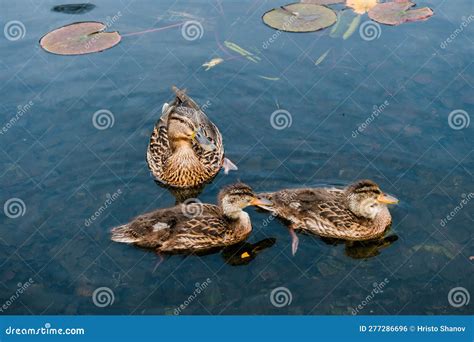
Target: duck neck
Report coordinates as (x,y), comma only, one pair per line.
(240,222)
(183,153)
(183,166)
(239,217)
(181,146)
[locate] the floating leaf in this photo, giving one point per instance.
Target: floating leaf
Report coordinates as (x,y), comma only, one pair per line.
(241,51)
(245,255)
(361,6)
(344,20)
(322,2)
(212,63)
(396,13)
(352,27)
(269,78)
(73,8)
(79,38)
(322,57)
(300,18)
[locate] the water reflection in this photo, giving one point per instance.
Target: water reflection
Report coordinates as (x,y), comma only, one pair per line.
(73,8)
(243,253)
(364,249)
(182,194)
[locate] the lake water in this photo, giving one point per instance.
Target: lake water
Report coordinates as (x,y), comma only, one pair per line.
(59,169)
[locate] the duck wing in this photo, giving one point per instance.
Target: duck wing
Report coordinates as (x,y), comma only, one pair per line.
(190,227)
(319,211)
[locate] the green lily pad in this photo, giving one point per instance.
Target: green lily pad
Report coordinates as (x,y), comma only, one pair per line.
(300,18)
(396,13)
(79,38)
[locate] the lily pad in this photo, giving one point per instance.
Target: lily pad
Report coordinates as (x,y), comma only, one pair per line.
(396,13)
(79,38)
(300,18)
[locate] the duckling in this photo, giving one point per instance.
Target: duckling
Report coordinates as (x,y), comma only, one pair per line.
(186,148)
(357,212)
(194,227)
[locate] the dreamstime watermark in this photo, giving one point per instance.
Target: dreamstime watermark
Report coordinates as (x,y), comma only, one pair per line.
(370,30)
(458,297)
(192,30)
(103,296)
(281,119)
(280,297)
(46,330)
(14,208)
(21,288)
(458,119)
(377,110)
(107,203)
(14,30)
(206,105)
(103,119)
(465,23)
(109,21)
(192,207)
(200,287)
(21,110)
(274,36)
(286,199)
(465,200)
(377,288)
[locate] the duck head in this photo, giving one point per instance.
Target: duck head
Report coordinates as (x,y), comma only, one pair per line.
(183,128)
(233,198)
(365,199)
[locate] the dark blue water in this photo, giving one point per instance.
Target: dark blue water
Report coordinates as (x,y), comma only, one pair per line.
(64,169)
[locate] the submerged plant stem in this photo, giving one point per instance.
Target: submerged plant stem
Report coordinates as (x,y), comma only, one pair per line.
(152,30)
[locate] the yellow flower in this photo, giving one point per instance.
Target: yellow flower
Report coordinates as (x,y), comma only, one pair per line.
(361,6)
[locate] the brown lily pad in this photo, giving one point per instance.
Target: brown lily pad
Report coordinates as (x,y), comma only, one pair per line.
(79,38)
(396,13)
(299,17)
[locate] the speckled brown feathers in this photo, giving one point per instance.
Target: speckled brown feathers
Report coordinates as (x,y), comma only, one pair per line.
(169,230)
(186,167)
(193,227)
(325,211)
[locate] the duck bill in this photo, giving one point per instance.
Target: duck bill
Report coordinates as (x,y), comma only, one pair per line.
(203,141)
(261,201)
(387,199)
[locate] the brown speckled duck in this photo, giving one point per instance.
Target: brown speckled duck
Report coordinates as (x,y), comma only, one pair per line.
(195,227)
(357,212)
(186,148)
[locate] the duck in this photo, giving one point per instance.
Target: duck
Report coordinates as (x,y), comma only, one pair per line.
(194,227)
(185,148)
(357,212)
